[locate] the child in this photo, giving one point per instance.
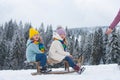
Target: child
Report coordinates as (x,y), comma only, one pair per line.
(35,49)
(57,50)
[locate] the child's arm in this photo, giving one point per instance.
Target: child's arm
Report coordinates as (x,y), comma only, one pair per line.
(35,49)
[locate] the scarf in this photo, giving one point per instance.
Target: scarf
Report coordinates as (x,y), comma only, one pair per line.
(41,46)
(63,44)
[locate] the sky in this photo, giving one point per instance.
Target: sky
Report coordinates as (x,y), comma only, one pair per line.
(70,13)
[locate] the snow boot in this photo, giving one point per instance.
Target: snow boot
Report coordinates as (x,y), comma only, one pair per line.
(78,69)
(81,70)
(45,70)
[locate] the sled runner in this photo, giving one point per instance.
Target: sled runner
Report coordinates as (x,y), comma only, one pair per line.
(59,72)
(53,72)
(66,66)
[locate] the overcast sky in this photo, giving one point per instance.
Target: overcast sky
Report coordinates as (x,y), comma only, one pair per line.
(71,13)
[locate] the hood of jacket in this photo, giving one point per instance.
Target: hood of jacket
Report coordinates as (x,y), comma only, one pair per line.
(28,42)
(56,36)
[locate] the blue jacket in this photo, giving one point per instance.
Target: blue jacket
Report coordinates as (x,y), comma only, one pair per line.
(31,51)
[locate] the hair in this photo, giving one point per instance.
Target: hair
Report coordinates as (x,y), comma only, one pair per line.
(40,39)
(65,41)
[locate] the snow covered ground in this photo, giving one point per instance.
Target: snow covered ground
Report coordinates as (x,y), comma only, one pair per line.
(99,72)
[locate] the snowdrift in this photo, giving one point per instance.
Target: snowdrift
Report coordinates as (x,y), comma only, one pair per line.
(96,72)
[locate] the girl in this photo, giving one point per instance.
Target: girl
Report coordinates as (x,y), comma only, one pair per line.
(35,49)
(58,51)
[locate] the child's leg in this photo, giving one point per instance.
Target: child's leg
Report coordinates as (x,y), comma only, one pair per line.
(70,61)
(42,58)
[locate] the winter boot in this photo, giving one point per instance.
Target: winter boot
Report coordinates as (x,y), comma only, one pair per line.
(44,70)
(81,70)
(76,68)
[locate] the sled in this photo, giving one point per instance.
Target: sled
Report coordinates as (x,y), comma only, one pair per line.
(66,66)
(53,72)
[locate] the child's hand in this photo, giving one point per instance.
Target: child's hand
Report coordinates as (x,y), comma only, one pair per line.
(71,56)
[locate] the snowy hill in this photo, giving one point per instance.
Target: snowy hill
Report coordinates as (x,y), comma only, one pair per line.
(100,72)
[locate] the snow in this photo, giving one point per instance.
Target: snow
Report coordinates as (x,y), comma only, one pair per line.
(97,72)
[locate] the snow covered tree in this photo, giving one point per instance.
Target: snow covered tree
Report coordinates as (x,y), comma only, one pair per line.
(15,44)
(42,31)
(82,42)
(67,32)
(119,45)
(48,37)
(114,52)
(1,33)
(71,43)
(26,31)
(3,53)
(105,48)
(9,30)
(18,54)
(88,48)
(76,49)
(97,50)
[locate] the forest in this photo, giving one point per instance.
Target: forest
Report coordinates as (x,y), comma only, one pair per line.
(91,42)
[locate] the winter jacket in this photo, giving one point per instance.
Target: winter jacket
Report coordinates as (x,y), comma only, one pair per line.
(115,21)
(31,51)
(56,51)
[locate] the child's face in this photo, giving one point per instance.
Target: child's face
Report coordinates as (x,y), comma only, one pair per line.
(36,37)
(62,36)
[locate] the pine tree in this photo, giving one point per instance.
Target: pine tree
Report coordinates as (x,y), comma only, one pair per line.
(76,49)
(114,51)
(26,31)
(3,53)
(97,50)
(82,42)
(48,37)
(88,48)
(1,33)
(71,45)
(42,31)
(105,48)
(9,30)
(18,53)
(67,32)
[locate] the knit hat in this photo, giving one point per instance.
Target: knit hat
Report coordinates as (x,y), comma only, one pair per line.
(61,31)
(32,32)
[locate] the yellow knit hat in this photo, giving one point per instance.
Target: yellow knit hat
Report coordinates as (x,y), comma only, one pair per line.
(32,32)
